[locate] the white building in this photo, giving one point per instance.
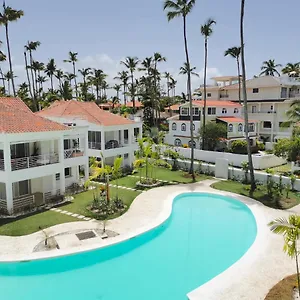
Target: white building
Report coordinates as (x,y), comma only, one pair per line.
(109,135)
(268,100)
(35,164)
(227,112)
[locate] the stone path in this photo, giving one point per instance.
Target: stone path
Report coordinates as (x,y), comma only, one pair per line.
(164,181)
(120,187)
(65,212)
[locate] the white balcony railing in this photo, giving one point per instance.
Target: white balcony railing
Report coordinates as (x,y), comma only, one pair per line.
(263,112)
(33,161)
(95,145)
(2,168)
(71,153)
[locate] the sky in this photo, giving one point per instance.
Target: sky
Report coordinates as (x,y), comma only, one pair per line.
(105,32)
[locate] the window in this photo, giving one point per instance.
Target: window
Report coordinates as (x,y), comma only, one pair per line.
(183,127)
(251,142)
(195,111)
(251,127)
(211,111)
(240,127)
(255,91)
(21,188)
(57,176)
(126,155)
(192,145)
(230,128)
(178,142)
(184,111)
(272,107)
(224,111)
(267,124)
(284,92)
(68,172)
(208,95)
(194,127)
(174,126)
(236,111)
(253,109)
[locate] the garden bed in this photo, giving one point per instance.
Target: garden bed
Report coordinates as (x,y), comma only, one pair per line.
(148,185)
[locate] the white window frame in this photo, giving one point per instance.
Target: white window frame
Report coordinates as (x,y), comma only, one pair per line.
(230,127)
(194,111)
(224,110)
(174,128)
(211,111)
(251,127)
(182,109)
(178,142)
(183,125)
(253,109)
(240,127)
(255,90)
(236,111)
(70,174)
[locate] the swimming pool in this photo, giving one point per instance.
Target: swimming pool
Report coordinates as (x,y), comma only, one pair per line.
(204,236)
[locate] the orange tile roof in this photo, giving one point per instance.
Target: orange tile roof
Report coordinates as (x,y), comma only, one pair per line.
(109,105)
(16,117)
(235,120)
(138,104)
(88,111)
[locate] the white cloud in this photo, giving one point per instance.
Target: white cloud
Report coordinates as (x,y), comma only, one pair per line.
(112,66)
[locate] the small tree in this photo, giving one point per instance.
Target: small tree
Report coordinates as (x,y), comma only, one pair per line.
(174,155)
(293,181)
(212,134)
(245,168)
(116,172)
(290,229)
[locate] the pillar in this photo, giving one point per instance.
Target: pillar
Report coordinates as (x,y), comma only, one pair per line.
(273,123)
(122,137)
(53,192)
(61,156)
(130,136)
(102,140)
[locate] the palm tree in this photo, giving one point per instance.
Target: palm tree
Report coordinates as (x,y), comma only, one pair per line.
(50,71)
(2,59)
(41,80)
(59,74)
(147,64)
(251,170)
(117,88)
(28,77)
(167,75)
(293,114)
(184,71)
(69,77)
(269,68)
(72,60)
(206,31)
(290,229)
(123,77)
(293,70)
(235,52)
(115,100)
(6,16)
(85,72)
(131,64)
(66,90)
(8,76)
(181,8)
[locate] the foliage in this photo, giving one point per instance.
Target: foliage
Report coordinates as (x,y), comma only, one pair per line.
(174,155)
(239,147)
(269,68)
(260,146)
(288,148)
(245,168)
(212,135)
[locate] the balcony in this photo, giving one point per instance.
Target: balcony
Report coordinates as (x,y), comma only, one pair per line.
(2,168)
(263,112)
(71,153)
(223,96)
(34,161)
(94,145)
(294,95)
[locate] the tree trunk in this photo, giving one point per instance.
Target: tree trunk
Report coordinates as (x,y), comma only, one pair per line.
(252,178)
(51,80)
(239,75)
(297,267)
(132,94)
(33,81)
(29,84)
(75,81)
(9,59)
(3,80)
(190,98)
(124,91)
(204,107)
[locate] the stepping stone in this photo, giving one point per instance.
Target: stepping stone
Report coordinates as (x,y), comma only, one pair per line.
(53,209)
(69,213)
(81,217)
(58,210)
(75,215)
(86,219)
(64,212)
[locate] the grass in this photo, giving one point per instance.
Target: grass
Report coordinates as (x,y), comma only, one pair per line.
(81,201)
(283,290)
(31,224)
(282,169)
(127,181)
(260,194)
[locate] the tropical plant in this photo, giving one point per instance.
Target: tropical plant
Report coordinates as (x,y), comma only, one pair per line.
(50,70)
(59,74)
(235,52)
(206,31)
(290,229)
(2,59)
(131,64)
(72,60)
(175,9)
(66,91)
(123,77)
(117,88)
(116,172)
(292,70)
(6,16)
(85,72)
(251,169)
(184,71)
(269,68)
(245,168)
(8,76)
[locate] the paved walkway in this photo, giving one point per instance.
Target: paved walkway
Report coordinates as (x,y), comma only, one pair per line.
(250,278)
(65,212)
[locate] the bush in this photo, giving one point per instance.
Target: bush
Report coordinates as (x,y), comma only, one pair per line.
(239,147)
(261,146)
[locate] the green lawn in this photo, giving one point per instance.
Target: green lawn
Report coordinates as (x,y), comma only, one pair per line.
(82,200)
(260,194)
(127,181)
(282,169)
(169,175)
(33,223)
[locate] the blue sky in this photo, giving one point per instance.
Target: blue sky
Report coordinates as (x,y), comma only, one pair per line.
(104,32)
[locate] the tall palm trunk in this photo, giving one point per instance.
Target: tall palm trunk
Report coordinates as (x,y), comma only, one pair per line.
(252,178)
(3,80)
(28,79)
(132,95)
(75,81)
(51,82)
(97,92)
(297,267)
(239,75)
(32,77)
(9,59)
(124,92)
(189,97)
(205,98)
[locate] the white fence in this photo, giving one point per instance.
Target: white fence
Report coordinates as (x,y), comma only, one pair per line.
(260,162)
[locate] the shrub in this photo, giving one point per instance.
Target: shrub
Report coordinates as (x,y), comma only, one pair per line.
(239,147)
(261,146)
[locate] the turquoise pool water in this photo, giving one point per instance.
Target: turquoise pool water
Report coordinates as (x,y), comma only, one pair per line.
(204,236)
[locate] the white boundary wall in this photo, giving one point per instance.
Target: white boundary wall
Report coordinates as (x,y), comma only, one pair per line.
(260,162)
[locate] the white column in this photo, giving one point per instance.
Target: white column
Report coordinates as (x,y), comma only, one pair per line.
(51,146)
(7,158)
(61,152)
(273,124)
(53,184)
(122,137)
(102,140)
(9,196)
(62,182)
(61,155)
(140,131)
(130,136)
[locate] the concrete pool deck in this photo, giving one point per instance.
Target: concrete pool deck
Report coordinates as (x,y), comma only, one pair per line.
(250,278)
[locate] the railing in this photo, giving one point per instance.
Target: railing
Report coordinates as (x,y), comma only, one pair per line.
(224,96)
(294,95)
(3,206)
(2,167)
(23,202)
(263,112)
(33,161)
(112,145)
(95,145)
(51,195)
(70,153)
